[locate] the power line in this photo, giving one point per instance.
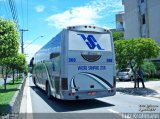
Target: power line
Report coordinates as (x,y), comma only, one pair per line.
(27,18)
(13,9)
(22,14)
(6,9)
(33,41)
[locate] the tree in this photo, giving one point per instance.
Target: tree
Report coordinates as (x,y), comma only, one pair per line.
(8,45)
(8,39)
(117,36)
(5,63)
(133,52)
(18,61)
(149,68)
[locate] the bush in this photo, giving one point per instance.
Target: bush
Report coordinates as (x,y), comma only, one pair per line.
(149,69)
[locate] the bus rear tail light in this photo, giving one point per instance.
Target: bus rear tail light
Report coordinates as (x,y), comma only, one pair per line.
(70,93)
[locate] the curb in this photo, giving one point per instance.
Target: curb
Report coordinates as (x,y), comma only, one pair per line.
(13,108)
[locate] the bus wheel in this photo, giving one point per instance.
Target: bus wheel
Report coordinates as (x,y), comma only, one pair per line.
(48,90)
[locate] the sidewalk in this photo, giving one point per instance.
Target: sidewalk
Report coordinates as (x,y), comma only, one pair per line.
(26,104)
(152,88)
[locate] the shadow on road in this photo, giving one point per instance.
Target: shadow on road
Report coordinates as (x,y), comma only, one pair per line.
(74,105)
(137,91)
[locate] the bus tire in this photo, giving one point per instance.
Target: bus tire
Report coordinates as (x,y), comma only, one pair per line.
(48,90)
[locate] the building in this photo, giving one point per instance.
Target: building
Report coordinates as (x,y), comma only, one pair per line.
(120,22)
(142,19)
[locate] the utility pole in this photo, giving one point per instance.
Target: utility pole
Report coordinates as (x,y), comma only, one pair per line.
(22,44)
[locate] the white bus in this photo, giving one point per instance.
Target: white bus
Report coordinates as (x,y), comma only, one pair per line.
(78,63)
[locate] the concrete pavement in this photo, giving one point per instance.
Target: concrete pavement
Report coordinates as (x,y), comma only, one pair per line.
(126,88)
(152,88)
(41,107)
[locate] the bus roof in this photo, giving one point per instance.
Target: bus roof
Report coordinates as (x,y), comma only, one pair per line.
(89,28)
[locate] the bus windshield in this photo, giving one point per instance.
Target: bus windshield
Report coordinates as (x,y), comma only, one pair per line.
(89,41)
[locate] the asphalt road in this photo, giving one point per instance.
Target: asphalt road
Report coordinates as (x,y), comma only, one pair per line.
(100,108)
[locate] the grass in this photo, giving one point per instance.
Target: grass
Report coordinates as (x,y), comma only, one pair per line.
(7,95)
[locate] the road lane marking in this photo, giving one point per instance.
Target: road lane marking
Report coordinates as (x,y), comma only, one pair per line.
(113,111)
(29,103)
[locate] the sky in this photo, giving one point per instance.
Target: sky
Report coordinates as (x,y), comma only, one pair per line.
(45,18)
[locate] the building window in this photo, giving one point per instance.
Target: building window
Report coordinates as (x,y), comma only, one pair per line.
(121,23)
(143,19)
(142,1)
(119,26)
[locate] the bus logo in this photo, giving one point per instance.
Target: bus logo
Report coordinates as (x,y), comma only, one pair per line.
(91,41)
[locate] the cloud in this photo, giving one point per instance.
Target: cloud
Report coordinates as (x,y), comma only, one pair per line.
(30,51)
(75,16)
(89,14)
(40,8)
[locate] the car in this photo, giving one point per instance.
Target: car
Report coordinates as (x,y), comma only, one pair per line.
(125,74)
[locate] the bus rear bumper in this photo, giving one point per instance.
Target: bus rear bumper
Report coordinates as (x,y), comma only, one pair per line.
(81,95)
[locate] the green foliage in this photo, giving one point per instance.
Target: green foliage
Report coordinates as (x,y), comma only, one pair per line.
(149,68)
(157,64)
(7,95)
(9,57)
(19,61)
(8,39)
(133,52)
(117,36)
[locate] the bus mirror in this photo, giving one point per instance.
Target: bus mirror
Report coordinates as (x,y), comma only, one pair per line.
(31,62)
(54,55)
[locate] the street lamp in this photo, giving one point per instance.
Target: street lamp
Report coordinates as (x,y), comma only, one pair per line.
(34,40)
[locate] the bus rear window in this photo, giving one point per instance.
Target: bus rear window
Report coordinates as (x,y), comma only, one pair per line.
(89,41)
